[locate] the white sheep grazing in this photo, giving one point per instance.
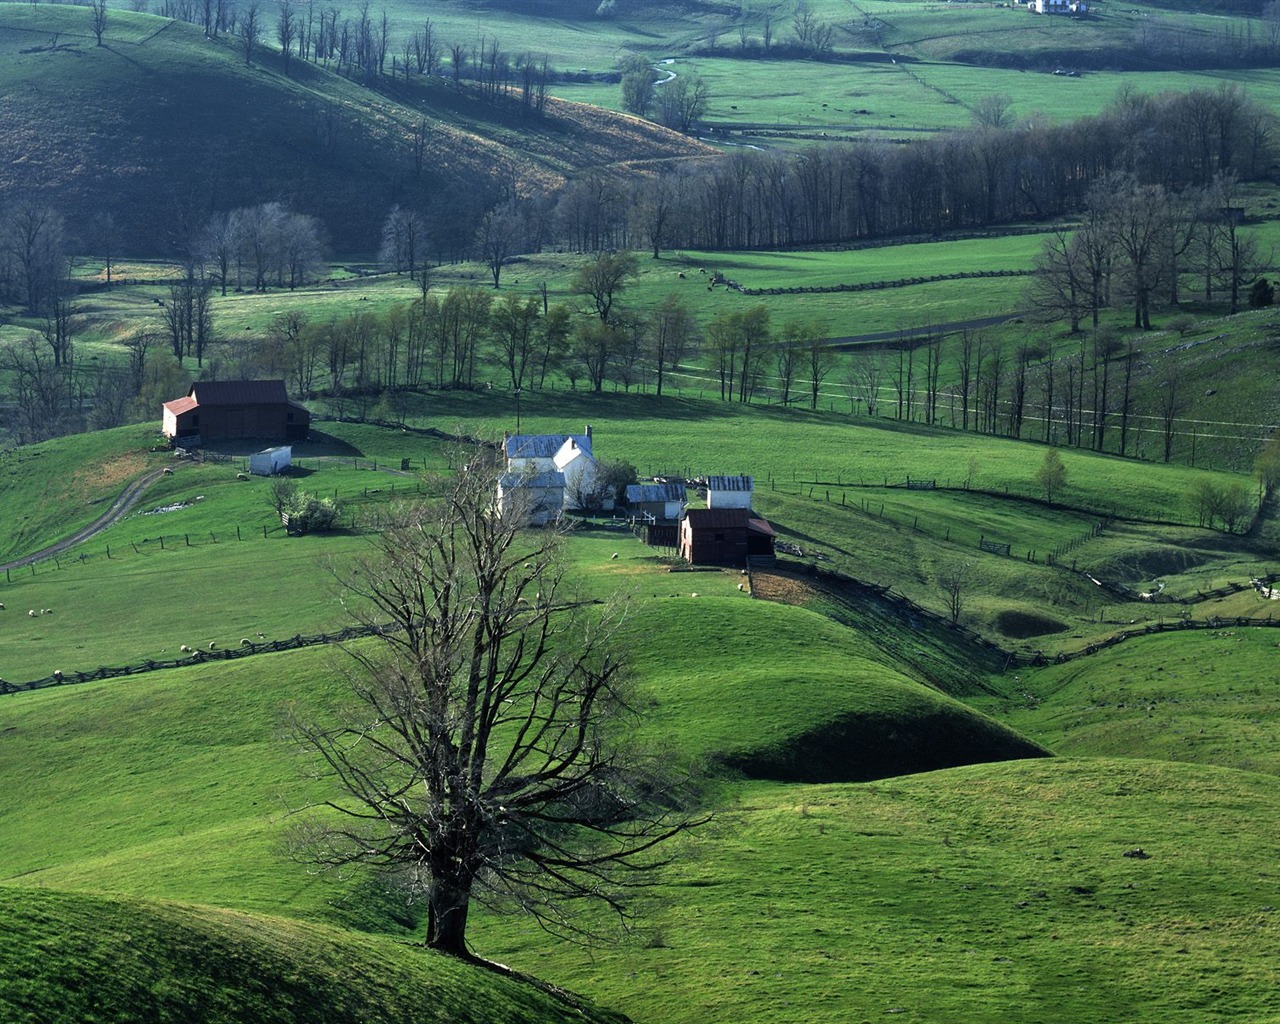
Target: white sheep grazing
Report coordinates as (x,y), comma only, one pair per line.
(212,645)
(32,613)
(742,586)
(242,476)
(262,636)
(1,606)
(614,555)
(245,642)
(168,471)
(185,649)
(693,595)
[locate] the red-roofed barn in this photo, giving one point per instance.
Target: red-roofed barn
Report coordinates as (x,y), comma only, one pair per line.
(216,410)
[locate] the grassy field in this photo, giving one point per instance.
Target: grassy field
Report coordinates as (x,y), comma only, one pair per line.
(957,893)
(1204,698)
(973,894)
(82,958)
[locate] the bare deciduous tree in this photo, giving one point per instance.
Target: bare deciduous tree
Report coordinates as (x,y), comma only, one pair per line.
(484,757)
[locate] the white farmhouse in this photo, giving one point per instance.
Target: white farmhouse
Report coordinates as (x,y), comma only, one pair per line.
(567,454)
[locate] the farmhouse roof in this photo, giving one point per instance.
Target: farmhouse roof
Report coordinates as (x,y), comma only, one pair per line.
(543,446)
(730,483)
(727,519)
(655,492)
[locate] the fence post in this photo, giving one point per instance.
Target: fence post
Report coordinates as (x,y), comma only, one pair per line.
(187,538)
(162,542)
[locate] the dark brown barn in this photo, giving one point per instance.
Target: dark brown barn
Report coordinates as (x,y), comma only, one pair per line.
(724,536)
(216,410)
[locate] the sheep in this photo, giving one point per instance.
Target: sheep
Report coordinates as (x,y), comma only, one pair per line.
(741,587)
(212,645)
(242,476)
(32,613)
(245,642)
(57,675)
(693,595)
(185,649)
(168,471)
(614,555)
(1,606)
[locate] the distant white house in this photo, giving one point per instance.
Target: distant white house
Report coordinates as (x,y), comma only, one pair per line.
(568,454)
(271,461)
(729,491)
(1058,6)
(537,498)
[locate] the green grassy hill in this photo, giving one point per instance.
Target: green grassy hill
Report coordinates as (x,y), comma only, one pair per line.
(982,894)
(161,126)
(73,958)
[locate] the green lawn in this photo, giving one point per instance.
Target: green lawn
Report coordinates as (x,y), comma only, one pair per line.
(1206,697)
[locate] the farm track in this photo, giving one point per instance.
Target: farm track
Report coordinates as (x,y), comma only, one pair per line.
(118,510)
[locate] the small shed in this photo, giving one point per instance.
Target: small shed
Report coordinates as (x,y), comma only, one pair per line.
(271,461)
(729,491)
(662,501)
(724,536)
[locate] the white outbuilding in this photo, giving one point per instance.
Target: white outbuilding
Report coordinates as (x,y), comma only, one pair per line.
(271,461)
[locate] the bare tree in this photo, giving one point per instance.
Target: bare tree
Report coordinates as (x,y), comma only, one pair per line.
(603,279)
(995,110)
(484,757)
(954,581)
(682,103)
(286,32)
(671,329)
(1171,402)
(500,236)
(249,27)
(98,19)
(1051,474)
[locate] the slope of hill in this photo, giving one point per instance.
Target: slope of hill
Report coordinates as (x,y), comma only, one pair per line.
(160,126)
(1058,891)
(75,958)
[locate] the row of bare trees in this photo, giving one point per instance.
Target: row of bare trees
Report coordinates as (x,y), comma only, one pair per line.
(969,179)
(1137,241)
(363,44)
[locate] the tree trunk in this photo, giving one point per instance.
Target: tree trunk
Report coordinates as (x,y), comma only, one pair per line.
(447,923)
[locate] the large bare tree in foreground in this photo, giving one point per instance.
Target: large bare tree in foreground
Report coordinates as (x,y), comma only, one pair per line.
(486,754)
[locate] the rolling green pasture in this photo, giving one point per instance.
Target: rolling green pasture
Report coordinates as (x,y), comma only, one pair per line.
(52,489)
(1208,697)
(118,757)
(979,894)
(74,957)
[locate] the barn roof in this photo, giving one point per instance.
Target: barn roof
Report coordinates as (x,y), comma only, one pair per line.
(239,392)
(730,483)
(543,446)
(180,405)
(728,519)
(655,492)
